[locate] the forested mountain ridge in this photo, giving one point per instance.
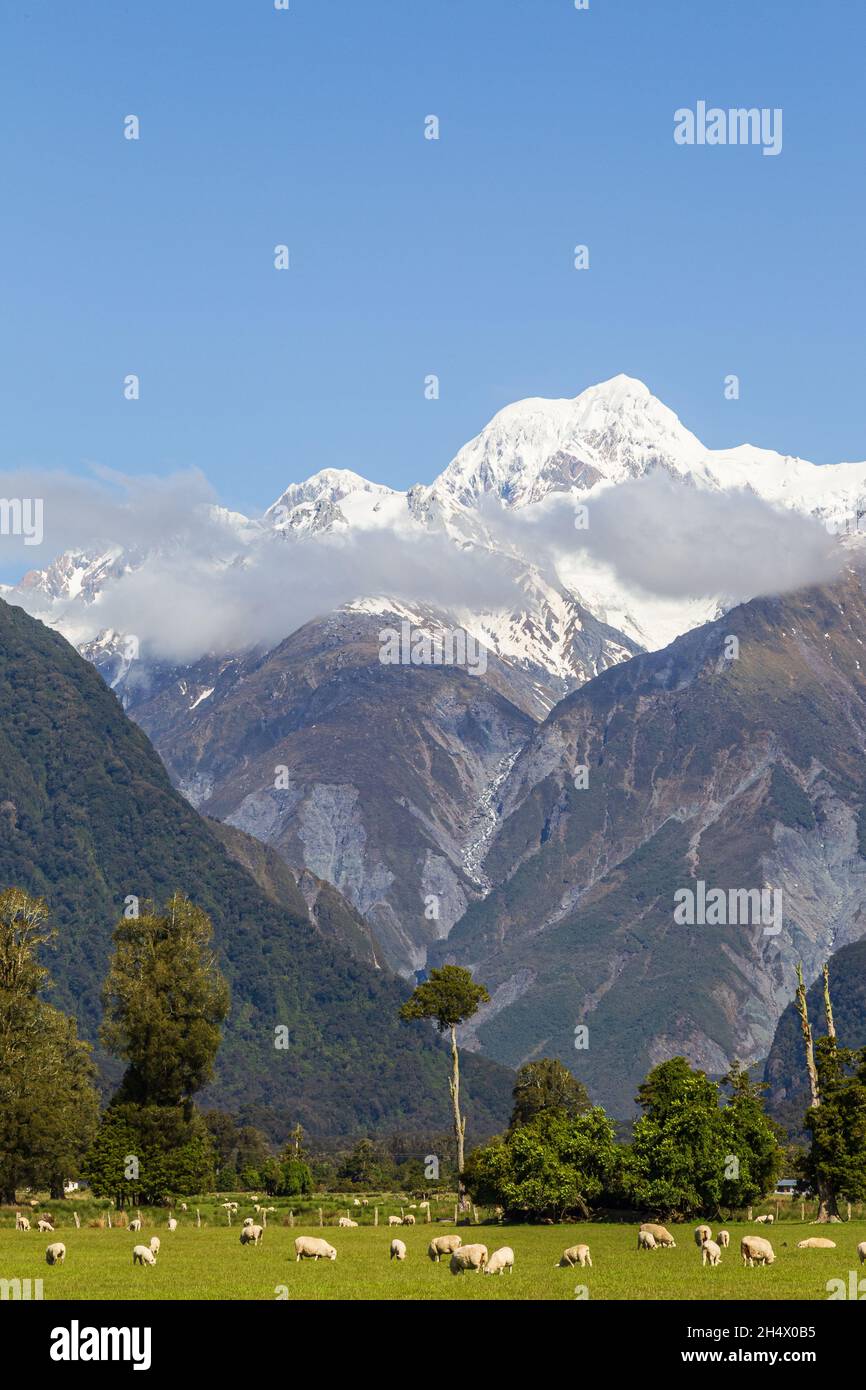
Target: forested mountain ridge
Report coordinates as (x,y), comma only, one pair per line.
(88,819)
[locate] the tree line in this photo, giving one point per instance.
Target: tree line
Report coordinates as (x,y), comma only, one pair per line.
(699,1146)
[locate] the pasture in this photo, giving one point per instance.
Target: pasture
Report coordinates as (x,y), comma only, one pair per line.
(210,1263)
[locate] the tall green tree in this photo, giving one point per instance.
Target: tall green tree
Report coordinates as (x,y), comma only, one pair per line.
(363,1167)
(48,1103)
(691,1154)
(547,1086)
(756,1156)
(836,1160)
(164,1003)
(554,1166)
(449,997)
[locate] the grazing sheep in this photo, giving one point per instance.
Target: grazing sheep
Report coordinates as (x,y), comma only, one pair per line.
(172,1224)
(409,1220)
(443,1245)
(702,1233)
(44,1225)
(816,1243)
(248,1220)
(861,1251)
(756,1250)
(21,1222)
(711,1253)
(500,1260)
(575,1255)
(469,1257)
(395,1221)
(135,1225)
(662,1235)
(398,1250)
(724,1239)
(765,1220)
(311,1248)
(184,1207)
(56,1253)
(347,1223)
(646,1240)
(251,1235)
(154,1244)
(356,1202)
(143,1255)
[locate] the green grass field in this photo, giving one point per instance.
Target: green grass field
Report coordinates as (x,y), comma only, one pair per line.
(210,1263)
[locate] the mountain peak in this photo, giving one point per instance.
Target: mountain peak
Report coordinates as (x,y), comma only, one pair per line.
(617,390)
(610,432)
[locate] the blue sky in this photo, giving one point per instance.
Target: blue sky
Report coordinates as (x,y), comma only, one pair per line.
(410,256)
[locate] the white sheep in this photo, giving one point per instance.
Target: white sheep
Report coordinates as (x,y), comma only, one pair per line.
(861,1251)
(248,1220)
(756,1250)
(56,1253)
(143,1255)
(469,1257)
(724,1239)
(816,1243)
(646,1240)
(252,1235)
(356,1202)
(21,1222)
(500,1260)
(398,1249)
(184,1207)
(702,1233)
(765,1220)
(347,1223)
(154,1244)
(661,1234)
(311,1248)
(443,1245)
(575,1255)
(44,1225)
(711,1253)
(172,1224)
(409,1220)
(135,1225)
(395,1221)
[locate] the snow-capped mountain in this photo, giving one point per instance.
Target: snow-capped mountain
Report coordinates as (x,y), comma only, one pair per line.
(608,435)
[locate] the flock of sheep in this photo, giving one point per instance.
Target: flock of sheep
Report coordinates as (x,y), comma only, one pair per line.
(754,1250)
(462,1257)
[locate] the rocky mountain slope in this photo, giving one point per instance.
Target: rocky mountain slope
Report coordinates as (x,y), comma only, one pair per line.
(373,777)
(740,764)
(88,817)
